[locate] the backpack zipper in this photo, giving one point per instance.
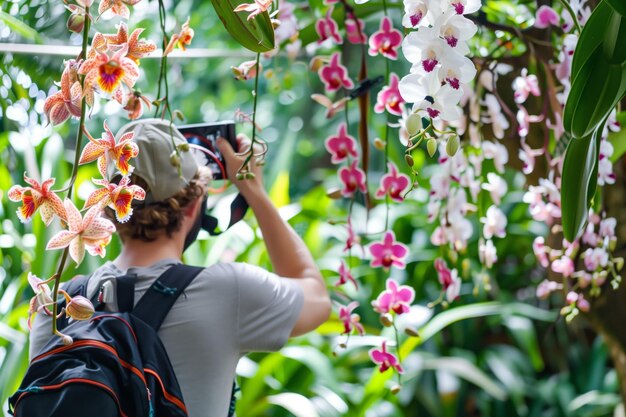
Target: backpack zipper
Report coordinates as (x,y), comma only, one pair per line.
(72,381)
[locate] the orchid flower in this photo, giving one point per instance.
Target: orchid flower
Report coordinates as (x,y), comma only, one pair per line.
(465,6)
(341,146)
(88,231)
(135,103)
(355,31)
(396,298)
(334,75)
(42,298)
(106,148)
(350,321)
(65,103)
(119,197)
(137,48)
(331,107)
(386,40)
(495,223)
(256,8)
(546,16)
(327,28)
(345,275)
(393,184)
(448,279)
(118,7)
(385,359)
(37,196)
(388,252)
(420,12)
(181,39)
(353,179)
(109,74)
(389,98)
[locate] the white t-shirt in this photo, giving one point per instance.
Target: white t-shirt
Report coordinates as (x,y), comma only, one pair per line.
(227,310)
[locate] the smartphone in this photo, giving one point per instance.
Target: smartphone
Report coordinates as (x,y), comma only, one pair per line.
(202,137)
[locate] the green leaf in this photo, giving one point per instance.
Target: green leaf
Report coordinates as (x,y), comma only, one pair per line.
(465,369)
(618,5)
(578,184)
(618,140)
(591,36)
(615,39)
(256,34)
(20,27)
(296,404)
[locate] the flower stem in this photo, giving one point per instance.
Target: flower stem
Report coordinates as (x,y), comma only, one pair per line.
(254,106)
(83,108)
(55,291)
(572,13)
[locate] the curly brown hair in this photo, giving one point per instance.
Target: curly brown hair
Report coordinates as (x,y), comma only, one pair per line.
(148,222)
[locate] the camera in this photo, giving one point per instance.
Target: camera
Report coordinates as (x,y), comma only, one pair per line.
(202,139)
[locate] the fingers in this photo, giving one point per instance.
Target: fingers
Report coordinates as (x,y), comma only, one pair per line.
(226,149)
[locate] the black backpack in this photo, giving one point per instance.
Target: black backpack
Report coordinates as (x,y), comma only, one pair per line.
(116,366)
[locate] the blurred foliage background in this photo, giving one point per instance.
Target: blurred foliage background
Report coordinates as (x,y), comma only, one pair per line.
(500,352)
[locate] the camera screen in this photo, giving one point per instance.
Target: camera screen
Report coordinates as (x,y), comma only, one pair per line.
(202,137)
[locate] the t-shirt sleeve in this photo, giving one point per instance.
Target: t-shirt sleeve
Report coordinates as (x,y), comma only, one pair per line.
(268,308)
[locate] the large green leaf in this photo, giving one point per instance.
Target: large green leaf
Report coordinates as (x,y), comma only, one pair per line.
(591,36)
(578,184)
(618,5)
(256,34)
(615,39)
(20,27)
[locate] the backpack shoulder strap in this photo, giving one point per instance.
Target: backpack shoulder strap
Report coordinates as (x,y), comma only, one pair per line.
(163,293)
(77,285)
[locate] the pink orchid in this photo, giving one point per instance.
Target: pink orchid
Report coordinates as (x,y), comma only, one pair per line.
(37,196)
(395,298)
(334,75)
(326,28)
(546,16)
(353,239)
(119,197)
(89,231)
(353,179)
(256,8)
(389,98)
(341,146)
(350,321)
(106,149)
(67,102)
(524,85)
(385,359)
(388,252)
(564,265)
(393,183)
(385,41)
(448,279)
(345,275)
(354,31)
(42,298)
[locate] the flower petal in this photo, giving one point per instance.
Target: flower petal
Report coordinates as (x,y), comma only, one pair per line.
(60,240)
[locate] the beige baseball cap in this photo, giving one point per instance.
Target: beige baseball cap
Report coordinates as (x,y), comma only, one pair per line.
(153,163)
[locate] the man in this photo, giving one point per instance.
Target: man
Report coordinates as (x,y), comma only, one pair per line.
(230,308)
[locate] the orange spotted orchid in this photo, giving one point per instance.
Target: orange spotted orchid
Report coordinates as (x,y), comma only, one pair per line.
(106,149)
(118,7)
(65,103)
(137,48)
(181,39)
(135,103)
(117,196)
(37,196)
(89,231)
(109,74)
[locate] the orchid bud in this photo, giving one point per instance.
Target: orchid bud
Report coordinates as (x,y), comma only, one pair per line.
(379,144)
(386,320)
(174,159)
(414,124)
(76,23)
(619,263)
(431,145)
(409,160)
(275,23)
(453,145)
(239,176)
(411,331)
(317,62)
(334,193)
(571,297)
(67,340)
(79,308)
(583,305)
(183,147)
(249,176)
(396,389)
